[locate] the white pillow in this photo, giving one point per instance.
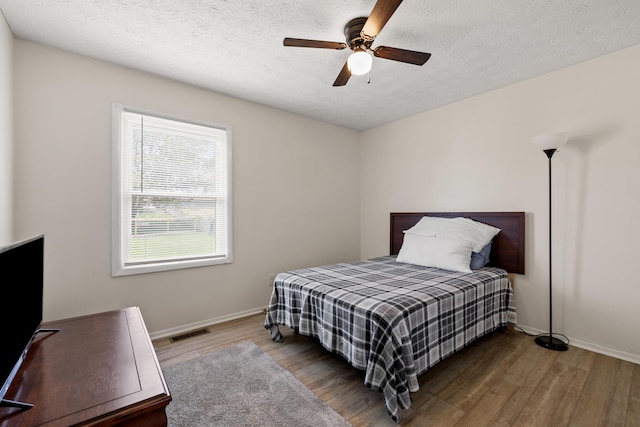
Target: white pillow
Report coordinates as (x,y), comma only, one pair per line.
(439,252)
(477,233)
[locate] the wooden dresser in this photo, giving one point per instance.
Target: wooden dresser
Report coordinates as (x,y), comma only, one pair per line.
(98,370)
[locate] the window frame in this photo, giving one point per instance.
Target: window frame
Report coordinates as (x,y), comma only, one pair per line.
(118,267)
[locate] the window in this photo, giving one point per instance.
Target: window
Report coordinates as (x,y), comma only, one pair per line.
(171,204)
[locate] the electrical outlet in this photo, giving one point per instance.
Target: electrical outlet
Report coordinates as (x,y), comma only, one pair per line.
(271,279)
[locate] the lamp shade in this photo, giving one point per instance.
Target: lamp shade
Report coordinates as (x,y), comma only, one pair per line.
(359,62)
(550,141)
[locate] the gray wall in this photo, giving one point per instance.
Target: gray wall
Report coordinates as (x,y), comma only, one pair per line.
(295,191)
(308,193)
(6,133)
(476,155)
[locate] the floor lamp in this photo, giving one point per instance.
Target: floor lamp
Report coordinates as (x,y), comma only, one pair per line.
(549,143)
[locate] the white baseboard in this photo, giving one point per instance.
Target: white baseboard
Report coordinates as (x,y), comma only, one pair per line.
(204,323)
(633,358)
(622,355)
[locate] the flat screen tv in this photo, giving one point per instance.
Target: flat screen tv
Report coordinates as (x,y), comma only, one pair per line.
(20,308)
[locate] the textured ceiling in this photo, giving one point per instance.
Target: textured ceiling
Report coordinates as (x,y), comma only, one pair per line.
(235,46)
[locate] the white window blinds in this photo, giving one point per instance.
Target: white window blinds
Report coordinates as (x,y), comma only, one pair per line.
(173,193)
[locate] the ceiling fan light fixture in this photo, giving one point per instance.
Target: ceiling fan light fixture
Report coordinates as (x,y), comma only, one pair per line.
(360,62)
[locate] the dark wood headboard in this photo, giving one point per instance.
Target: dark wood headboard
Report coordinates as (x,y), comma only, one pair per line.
(507,249)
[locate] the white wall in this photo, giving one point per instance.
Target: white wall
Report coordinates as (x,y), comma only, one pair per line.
(295,182)
(6,134)
(476,155)
(302,184)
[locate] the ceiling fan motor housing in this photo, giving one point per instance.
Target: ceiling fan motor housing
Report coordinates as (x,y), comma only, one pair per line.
(353,34)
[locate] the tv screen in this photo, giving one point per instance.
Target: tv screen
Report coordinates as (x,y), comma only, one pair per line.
(21,304)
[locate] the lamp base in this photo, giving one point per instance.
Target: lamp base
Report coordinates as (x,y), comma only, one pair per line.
(547,341)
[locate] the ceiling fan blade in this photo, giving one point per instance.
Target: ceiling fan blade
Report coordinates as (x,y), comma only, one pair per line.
(288,41)
(379,16)
(343,77)
(402,55)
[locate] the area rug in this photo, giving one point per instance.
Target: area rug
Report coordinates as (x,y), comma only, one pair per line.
(242,386)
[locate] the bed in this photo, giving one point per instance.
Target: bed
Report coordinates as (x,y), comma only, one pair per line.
(394,320)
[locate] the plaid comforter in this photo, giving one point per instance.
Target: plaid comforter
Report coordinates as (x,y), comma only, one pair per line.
(392,320)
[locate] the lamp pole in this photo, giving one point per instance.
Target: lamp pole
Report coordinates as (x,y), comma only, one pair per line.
(549,341)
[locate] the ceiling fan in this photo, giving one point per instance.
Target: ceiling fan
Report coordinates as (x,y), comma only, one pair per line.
(360,34)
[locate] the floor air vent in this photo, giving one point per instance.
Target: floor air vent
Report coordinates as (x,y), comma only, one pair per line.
(189,335)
